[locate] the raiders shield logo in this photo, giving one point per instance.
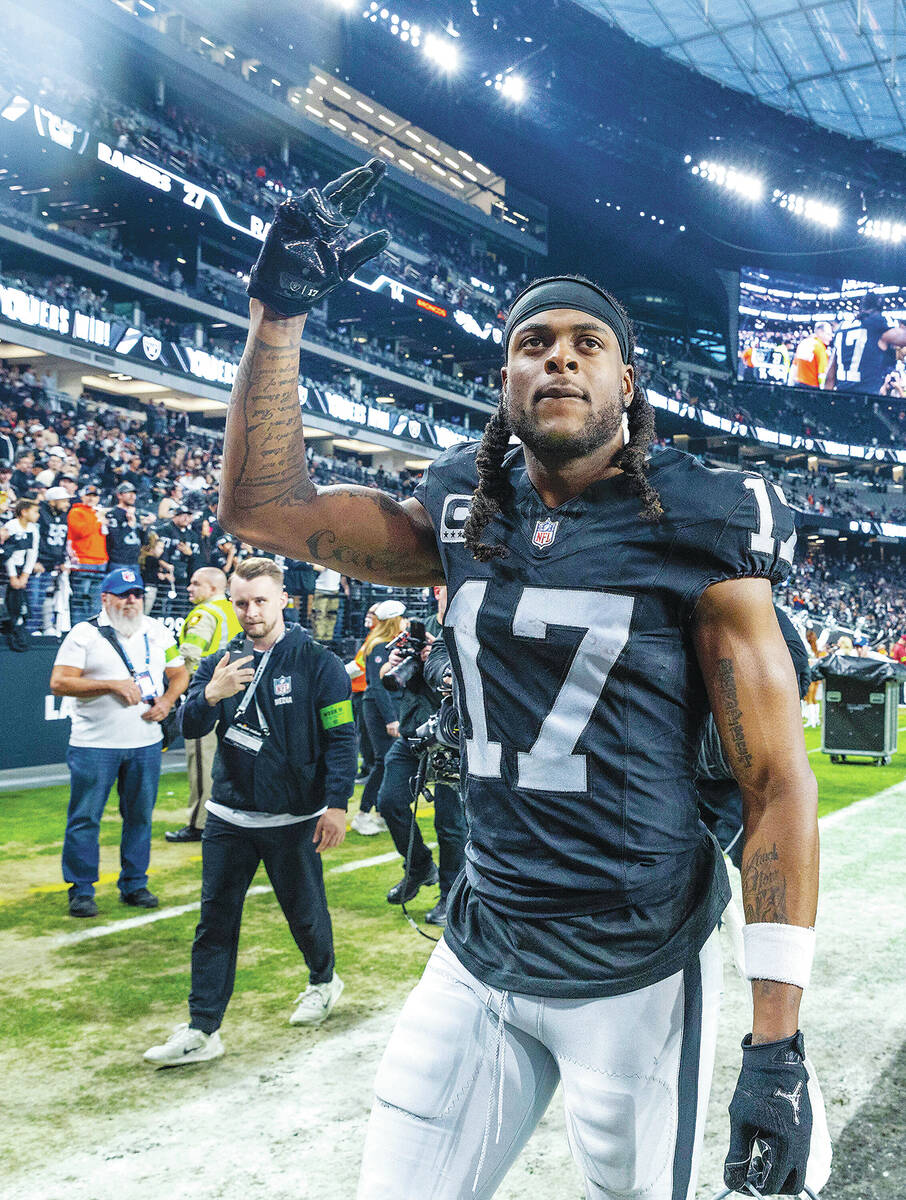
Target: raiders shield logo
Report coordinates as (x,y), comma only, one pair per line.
(152,348)
(545,532)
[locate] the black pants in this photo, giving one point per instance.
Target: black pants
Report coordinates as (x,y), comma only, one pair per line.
(381,741)
(394,800)
(230,857)
(361,729)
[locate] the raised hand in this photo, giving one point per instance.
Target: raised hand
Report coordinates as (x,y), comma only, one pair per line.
(299,263)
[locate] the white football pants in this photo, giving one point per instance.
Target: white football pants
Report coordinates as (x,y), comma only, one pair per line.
(469,1071)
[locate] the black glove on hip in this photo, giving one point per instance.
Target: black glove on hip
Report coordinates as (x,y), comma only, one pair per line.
(299,264)
(770,1104)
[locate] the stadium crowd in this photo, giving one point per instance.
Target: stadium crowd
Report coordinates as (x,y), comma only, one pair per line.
(143,479)
(257,178)
(86,487)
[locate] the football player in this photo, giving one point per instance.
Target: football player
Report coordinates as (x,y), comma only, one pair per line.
(599,600)
(865,350)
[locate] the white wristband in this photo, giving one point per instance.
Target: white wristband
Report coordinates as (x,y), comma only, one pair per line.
(780,952)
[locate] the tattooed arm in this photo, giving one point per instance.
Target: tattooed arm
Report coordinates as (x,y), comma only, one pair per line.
(267,497)
(755,699)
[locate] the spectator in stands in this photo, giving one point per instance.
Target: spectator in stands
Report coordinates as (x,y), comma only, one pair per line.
(7,491)
(88,550)
(23,477)
(52,530)
(170,503)
(207,629)
(182,549)
(285,762)
(325,602)
(125,536)
(20,544)
(125,673)
(156,573)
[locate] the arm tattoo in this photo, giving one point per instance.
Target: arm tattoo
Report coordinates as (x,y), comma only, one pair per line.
(764,887)
(726,682)
(273,468)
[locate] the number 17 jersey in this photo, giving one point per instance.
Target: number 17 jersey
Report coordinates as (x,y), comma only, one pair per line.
(588,871)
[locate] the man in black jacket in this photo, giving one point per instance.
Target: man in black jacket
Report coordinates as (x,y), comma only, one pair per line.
(285,762)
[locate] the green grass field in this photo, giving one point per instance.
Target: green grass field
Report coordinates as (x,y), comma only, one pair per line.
(75,1018)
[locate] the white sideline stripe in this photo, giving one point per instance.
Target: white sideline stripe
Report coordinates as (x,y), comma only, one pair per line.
(162,914)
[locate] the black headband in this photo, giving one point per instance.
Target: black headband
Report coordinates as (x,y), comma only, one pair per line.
(563,292)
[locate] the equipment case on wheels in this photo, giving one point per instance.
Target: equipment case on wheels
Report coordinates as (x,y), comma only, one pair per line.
(860,713)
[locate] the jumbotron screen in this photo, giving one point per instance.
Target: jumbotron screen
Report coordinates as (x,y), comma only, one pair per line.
(842,335)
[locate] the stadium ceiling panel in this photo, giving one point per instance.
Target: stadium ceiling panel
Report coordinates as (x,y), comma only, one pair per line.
(838,63)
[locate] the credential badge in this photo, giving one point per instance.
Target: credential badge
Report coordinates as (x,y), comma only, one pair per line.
(545,532)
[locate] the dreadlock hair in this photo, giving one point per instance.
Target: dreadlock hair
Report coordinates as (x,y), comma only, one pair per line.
(494,487)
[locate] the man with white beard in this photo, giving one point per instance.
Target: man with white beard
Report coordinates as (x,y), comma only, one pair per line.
(124,673)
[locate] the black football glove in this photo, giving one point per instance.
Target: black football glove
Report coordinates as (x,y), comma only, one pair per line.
(771,1106)
(299,264)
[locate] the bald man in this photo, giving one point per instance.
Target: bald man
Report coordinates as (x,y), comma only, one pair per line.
(208,628)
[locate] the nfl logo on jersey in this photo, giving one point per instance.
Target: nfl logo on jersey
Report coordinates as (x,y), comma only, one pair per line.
(283,685)
(545,532)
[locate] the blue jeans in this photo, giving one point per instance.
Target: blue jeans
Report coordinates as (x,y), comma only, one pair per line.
(36,590)
(93,772)
(86,591)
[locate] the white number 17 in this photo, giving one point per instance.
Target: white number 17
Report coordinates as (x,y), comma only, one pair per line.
(550,765)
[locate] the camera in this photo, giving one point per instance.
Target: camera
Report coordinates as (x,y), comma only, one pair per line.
(438,737)
(410,644)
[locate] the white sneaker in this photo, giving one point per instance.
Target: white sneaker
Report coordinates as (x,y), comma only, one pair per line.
(316,1002)
(368,823)
(185,1045)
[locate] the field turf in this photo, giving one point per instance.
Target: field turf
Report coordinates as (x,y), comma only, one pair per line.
(75,1017)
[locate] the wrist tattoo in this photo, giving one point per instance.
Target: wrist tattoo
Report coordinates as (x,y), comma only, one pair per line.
(764,887)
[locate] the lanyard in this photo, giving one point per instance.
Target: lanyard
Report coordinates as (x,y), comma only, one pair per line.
(251,689)
(128,661)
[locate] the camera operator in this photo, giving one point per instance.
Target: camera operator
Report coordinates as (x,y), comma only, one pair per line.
(419,701)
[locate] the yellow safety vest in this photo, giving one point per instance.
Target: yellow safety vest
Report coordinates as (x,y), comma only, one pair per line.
(226,626)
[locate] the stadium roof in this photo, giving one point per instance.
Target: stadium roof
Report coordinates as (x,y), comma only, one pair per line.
(835,63)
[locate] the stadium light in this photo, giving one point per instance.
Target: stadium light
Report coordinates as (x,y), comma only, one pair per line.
(882,230)
(827,215)
(512,87)
(442,52)
(749,187)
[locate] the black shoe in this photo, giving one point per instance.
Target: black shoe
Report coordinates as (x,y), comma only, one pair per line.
(438,914)
(82,906)
(427,878)
(188,833)
(141,898)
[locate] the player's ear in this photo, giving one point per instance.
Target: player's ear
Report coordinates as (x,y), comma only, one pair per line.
(503,375)
(628,386)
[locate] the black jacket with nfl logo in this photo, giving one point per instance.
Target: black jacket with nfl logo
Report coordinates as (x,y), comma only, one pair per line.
(308,761)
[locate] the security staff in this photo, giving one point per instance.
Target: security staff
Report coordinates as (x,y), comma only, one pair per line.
(207,629)
(283,774)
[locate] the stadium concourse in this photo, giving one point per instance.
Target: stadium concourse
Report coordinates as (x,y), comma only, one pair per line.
(144,150)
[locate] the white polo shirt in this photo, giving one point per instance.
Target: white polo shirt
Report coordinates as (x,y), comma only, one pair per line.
(105,720)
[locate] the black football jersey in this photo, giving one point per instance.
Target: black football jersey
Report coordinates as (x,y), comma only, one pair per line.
(588,871)
(862,366)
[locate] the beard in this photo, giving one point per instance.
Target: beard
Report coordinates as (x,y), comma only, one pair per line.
(555,448)
(127,626)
